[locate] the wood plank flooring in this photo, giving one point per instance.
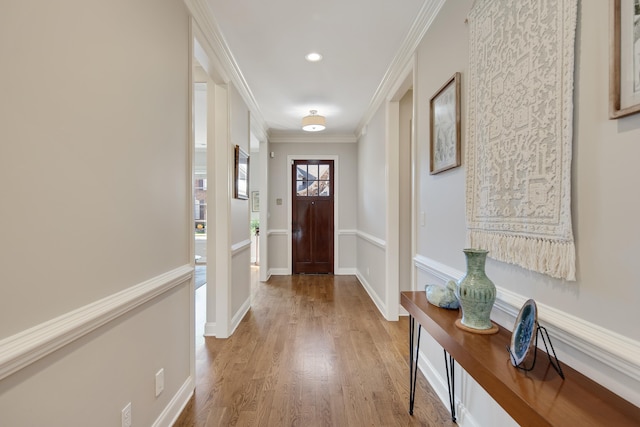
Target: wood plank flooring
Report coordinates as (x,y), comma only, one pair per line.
(312,351)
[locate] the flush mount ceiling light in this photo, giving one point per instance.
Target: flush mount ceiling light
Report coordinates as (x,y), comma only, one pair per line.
(313,122)
(313,57)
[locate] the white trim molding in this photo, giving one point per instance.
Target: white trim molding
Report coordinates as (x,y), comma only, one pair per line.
(346,232)
(372,239)
(30,345)
(225,61)
(239,315)
(179,401)
(351,235)
(441,271)
(374,297)
(210,329)
(236,248)
(283,138)
(277,232)
(607,347)
(404,55)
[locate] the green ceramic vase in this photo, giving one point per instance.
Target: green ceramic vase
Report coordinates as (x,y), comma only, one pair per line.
(476,292)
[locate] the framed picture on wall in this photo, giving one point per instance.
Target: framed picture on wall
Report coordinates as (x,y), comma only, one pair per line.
(624,67)
(445,126)
(241,172)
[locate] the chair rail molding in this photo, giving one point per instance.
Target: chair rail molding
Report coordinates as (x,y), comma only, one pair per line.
(24,348)
(607,347)
(347,232)
(372,239)
(236,248)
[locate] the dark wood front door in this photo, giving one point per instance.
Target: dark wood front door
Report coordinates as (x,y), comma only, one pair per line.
(312,216)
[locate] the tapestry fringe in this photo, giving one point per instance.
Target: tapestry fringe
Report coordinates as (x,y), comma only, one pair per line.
(555,258)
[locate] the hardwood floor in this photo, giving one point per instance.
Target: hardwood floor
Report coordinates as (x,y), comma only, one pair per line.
(312,351)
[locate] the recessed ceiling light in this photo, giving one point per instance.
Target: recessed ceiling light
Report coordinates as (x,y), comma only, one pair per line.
(313,57)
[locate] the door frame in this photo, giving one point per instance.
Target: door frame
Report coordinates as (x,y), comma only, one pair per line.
(405,82)
(336,203)
(218,321)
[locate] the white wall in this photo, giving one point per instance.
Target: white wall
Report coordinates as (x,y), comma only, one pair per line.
(372,197)
(254,185)
(591,320)
(95,213)
(255,173)
(240,232)
(345,222)
(405,192)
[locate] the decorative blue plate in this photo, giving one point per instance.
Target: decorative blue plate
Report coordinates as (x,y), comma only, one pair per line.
(523,332)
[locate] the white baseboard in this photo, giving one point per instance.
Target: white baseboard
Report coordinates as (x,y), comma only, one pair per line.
(239,315)
(382,308)
(402,311)
(439,385)
(177,404)
(210,329)
(285,272)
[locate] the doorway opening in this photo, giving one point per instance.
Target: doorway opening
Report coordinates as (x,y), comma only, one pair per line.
(200,176)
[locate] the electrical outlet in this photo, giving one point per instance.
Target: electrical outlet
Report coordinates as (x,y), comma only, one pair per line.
(126,415)
(159,382)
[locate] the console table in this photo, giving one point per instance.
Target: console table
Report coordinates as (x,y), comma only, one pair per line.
(539,397)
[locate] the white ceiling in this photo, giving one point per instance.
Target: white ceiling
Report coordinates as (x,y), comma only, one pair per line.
(360,41)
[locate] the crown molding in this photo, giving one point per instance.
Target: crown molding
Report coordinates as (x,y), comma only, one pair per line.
(203,16)
(404,56)
(282,138)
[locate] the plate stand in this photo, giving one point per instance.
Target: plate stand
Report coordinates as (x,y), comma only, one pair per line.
(542,331)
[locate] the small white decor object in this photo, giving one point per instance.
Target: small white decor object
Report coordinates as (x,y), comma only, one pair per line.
(443,296)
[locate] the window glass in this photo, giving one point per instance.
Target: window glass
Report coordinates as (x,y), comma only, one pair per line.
(313,180)
(301,180)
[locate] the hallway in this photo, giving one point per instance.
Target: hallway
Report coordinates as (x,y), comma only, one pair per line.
(312,351)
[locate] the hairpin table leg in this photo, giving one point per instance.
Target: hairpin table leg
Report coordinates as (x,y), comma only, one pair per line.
(413,362)
(449,363)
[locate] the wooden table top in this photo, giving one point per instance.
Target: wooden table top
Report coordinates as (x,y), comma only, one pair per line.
(535,398)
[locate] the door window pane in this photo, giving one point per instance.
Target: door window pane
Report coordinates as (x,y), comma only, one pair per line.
(302,181)
(313,180)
